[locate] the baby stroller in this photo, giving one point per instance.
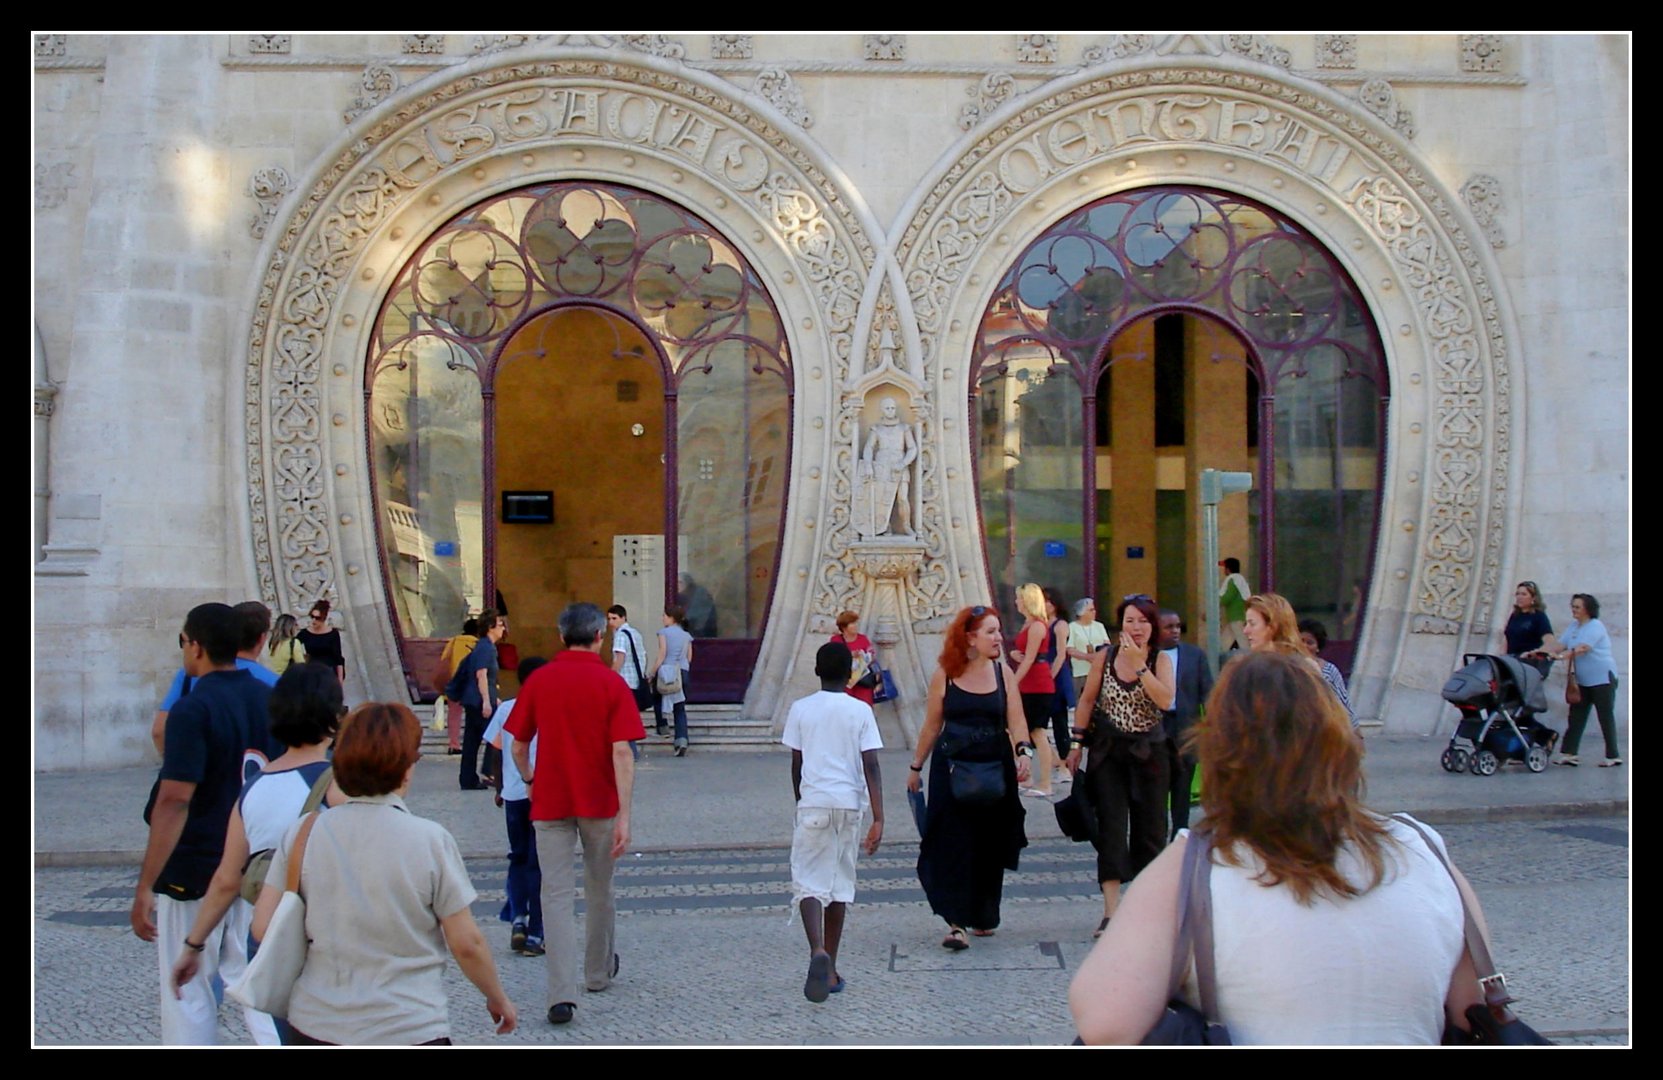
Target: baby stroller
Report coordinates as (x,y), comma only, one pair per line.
(1503,716)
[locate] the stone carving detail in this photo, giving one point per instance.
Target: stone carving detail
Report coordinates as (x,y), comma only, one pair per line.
(775,86)
(1258,47)
(268,186)
(1118,47)
(1451,541)
(423,44)
(655,45)
(51,44)
(324,235)
(52,184)
(1482,194)
(1480,52)
(1189,44)
(1036,48)
(730,46)
(1426,624)
(495,43)
(883,477)
(988,94)
(269,43)
(1336,50)
(1380,99)
(46,395)
(884,46)
(1462,538)
(378,83)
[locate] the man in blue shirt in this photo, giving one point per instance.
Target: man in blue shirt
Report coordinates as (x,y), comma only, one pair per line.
(256,625)
(479,695)
(212,736)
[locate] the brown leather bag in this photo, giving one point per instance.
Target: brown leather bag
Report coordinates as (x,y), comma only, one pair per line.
(1573,692)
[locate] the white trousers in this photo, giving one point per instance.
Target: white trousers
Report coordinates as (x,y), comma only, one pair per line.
(192,1018)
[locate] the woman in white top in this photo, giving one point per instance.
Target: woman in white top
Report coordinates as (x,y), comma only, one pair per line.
(1332,924)
(305,710)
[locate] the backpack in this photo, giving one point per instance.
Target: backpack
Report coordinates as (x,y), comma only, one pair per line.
(458,684)
(254,871)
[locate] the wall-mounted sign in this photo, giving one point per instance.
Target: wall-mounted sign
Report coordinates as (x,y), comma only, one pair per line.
(528,508)
(1134,553)
(444,549)
(1055,549)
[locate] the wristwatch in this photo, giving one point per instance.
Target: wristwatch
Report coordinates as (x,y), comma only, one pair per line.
(1025,748)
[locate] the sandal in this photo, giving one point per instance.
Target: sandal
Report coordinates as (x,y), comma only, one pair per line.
(982,933)
(1102,926)
(955,940)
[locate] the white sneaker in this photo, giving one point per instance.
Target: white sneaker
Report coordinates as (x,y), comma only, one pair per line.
(1610,761)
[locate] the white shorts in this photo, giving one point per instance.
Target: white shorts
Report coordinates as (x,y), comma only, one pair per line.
(823,847)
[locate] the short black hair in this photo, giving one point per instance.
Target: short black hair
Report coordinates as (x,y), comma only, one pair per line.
(218,629)
(1232,565)
(306,705)
(1589,604)
(470,627)
(1164,612)
(833,661)
(527,666)
(256,619)
(1316,630)
(618,610)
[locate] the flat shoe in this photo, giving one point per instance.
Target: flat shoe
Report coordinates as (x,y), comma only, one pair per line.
(561,1013)
(1102,926)
(837,987)
(818,983)
(1610,762)
(1035,793)
(955,940)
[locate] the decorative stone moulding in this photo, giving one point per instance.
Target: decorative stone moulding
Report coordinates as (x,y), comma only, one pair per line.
(274,44)
(986,95)
(1234,123)
(267,187)
(485,44)
(51,44)
(654,45)
(1118,47)
(1482,194)
(1336,51)
(1258,47)
(1481,52)
(377,83)
(730,46)
(422,44)
(1380,99)
(1036,48)
(884,46)
(432,151)
(775,86)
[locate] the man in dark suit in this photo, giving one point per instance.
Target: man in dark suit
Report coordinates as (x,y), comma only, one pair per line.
(1195,682)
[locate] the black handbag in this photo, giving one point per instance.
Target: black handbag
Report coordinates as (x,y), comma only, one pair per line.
(642,690)
(1182,1024)
(976,783)
(975,764)
(1493,1023)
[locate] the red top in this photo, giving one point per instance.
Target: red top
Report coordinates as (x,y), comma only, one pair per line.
(579,708)
(859,644)
(1038,680)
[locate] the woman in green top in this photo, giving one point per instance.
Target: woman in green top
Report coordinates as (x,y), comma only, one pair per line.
(1232,606)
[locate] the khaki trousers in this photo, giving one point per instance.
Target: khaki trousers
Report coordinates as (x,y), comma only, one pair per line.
(557,844)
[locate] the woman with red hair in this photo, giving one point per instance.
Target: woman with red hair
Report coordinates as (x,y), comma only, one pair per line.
(972,717)
(1331,924)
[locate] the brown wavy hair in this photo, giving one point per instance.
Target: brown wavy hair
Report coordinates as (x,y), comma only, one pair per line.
(1282,775)
(955,650)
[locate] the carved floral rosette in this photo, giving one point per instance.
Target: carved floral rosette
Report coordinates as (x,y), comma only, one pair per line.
(503,120)
(1360,189)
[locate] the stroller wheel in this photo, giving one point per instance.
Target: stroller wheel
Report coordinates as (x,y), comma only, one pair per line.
(1485,763)
(1537,759)
(1454,759)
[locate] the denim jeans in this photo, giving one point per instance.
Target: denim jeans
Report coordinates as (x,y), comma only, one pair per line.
(525,874)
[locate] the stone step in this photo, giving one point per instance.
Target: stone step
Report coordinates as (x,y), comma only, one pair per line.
(709,727)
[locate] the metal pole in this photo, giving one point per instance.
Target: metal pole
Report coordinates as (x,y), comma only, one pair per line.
(1209,576)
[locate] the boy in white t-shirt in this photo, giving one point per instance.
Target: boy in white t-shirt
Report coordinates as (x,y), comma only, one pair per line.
(523,910)
(834,771)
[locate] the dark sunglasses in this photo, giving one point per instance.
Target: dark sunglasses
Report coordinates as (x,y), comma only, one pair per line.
(181,641)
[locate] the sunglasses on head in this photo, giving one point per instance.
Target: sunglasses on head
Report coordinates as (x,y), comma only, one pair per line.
(978,611)
(1136,596)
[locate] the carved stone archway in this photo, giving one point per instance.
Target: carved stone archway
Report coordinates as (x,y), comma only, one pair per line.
(499,122)
(1361,190)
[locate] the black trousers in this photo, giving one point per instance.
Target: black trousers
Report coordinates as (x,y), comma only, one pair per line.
(1183,778)
(1129,779)
(473,733)
(1601,699)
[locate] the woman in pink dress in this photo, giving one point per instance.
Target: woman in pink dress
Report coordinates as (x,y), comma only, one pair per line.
(860,647)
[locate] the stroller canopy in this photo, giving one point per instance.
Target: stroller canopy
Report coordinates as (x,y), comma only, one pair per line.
(1517,684)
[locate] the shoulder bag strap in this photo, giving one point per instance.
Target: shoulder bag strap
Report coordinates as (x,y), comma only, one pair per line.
(320,788)
(1491,981)
(299,853)
(629,639)
(1201,915)
(1181,947)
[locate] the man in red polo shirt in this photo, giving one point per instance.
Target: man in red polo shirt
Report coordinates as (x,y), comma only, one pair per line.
(584,717)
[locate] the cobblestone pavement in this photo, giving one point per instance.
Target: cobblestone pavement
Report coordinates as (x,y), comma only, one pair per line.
(710,957)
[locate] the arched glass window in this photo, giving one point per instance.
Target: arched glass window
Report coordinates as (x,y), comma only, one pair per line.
(551,316)
(1150,335)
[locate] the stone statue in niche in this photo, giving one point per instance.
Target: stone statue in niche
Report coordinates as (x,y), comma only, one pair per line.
(883,477)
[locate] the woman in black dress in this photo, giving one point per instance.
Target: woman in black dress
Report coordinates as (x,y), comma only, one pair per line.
(975,713)
(322,642)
